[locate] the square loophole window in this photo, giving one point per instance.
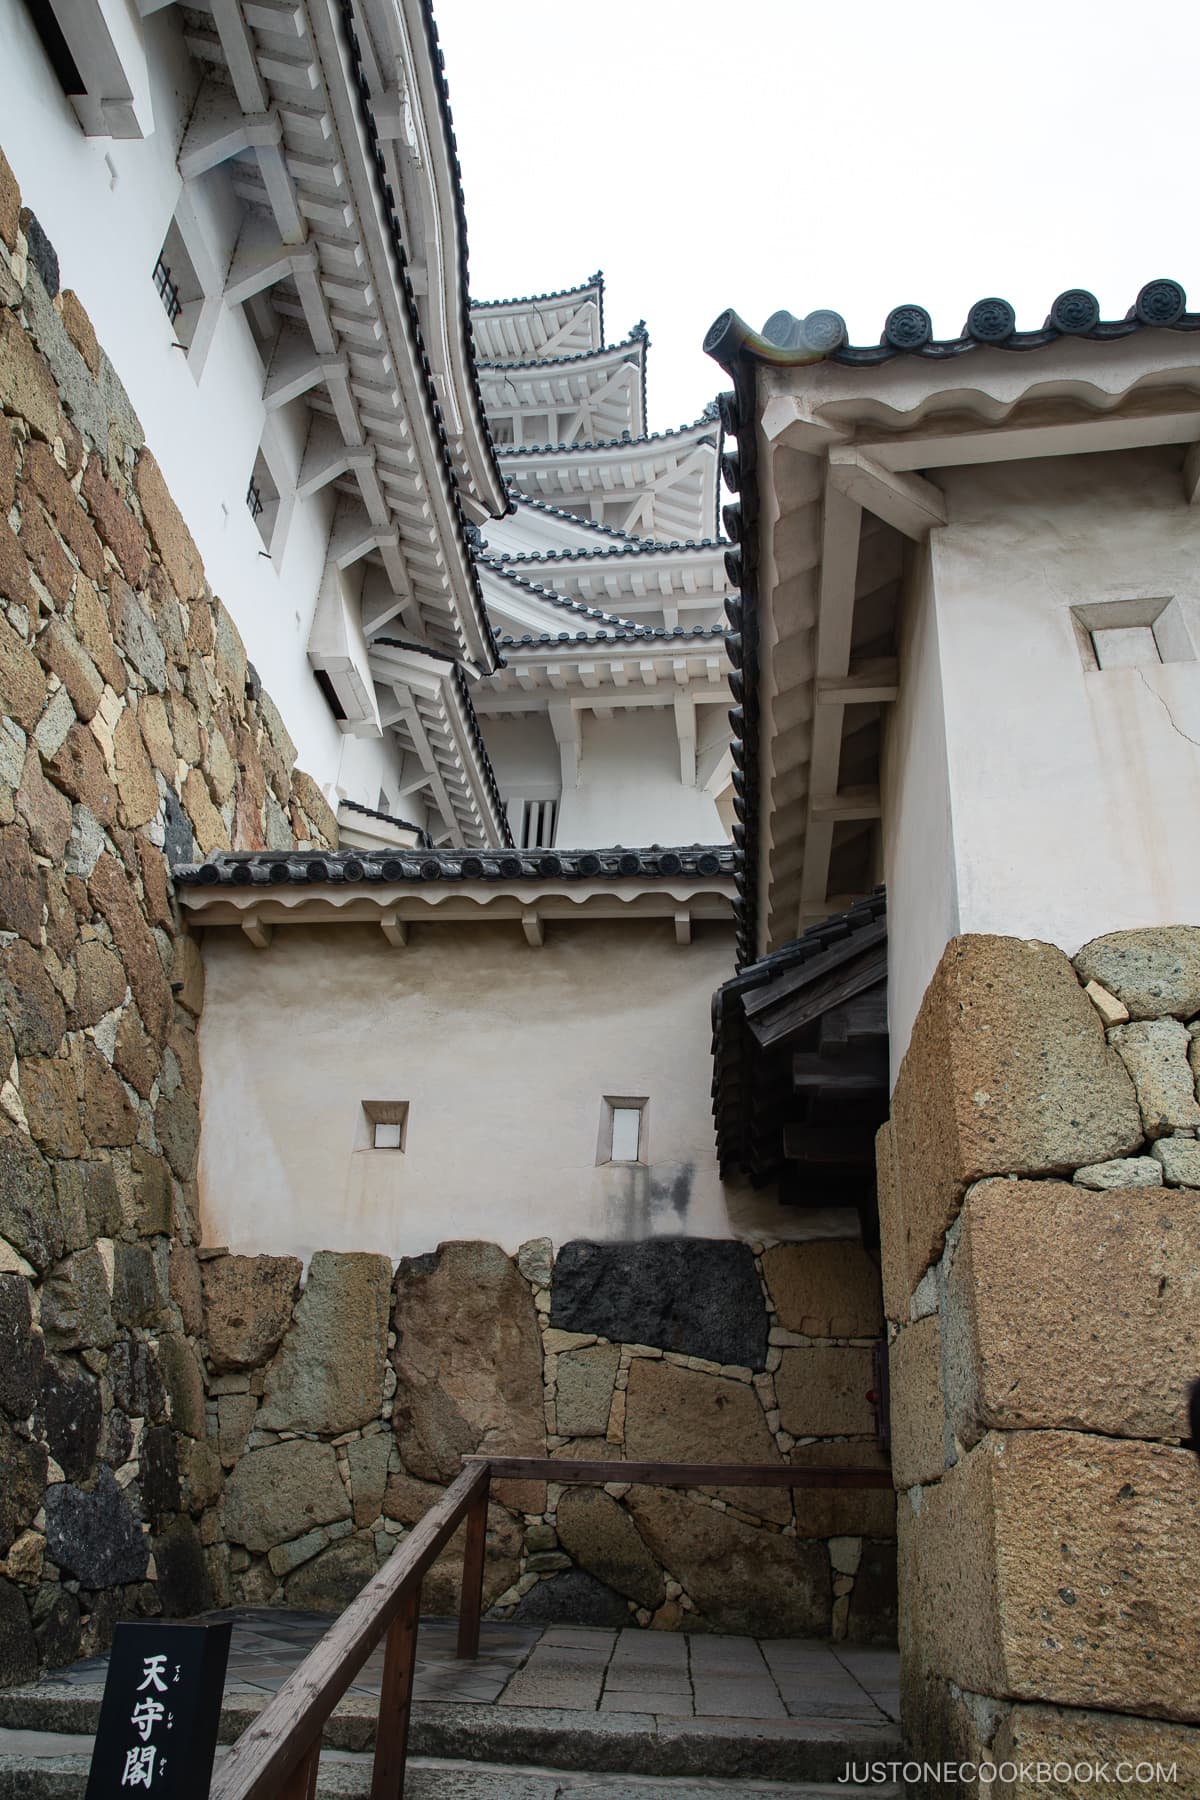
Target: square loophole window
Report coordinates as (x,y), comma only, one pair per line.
(623,1133)
(387,1123)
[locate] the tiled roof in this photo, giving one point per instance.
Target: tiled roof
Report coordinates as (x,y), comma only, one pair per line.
(460,219)
(638,337)
(627,633)
(593,281)
(639,547)
(560,512)
(269,868)
(362,89)
(626,441)
(552,598)
(753,1086)
(372,812)
(908,330)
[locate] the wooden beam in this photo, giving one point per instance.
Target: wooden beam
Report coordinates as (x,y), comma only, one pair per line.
(850,803)
(909,502)
(258,933)
(874,681)
(394,929)
(534,927)
(683,926)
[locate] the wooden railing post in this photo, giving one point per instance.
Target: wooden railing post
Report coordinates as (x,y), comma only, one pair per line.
(395,1698)
(301,1784)
(471,1605)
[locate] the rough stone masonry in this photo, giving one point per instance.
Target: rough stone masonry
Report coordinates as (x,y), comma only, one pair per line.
(1040,1215)
(131,724)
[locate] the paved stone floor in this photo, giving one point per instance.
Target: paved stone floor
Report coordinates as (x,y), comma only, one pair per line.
(669,1675)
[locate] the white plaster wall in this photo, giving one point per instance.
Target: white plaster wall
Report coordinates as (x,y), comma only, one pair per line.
(1072,790)
(504,1054)
(918,828)
(105,205)
(629,789)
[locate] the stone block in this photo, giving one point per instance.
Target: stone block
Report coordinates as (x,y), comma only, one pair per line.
(136,1382)
(681,1415)
(21,1348)
(235,1417)
(170,536)
(441,1590)
(698,1296)
(1007,1072)
(18,1646)
(282,1491)
(1060,1567)
(742,1579)
(917,1407)
(95,1537)
(185,1585)
(26,385)
(112,895)
(77,1304)
(22,894)
(585,1387)
(248,1303)
(1155,1051)
(872,1614)
(177,1126)
(46,812)
(330,1581)
(329,1374)
(1067,1308)
(825,1288)
(1079,1740)
(22,1481)
(822,1391)
(32,1010)
(468,1364)
(1177,1160)
(602,1538)
(183,1379)
(68,1417)
(572,1598)
(55,1615)
(535,1259)
(200,1474)
(1154,971)
(407,1500)
(1120,1172)
(368,1459)
(137,1297)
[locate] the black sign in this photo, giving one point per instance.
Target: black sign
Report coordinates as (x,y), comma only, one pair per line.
(161,1709)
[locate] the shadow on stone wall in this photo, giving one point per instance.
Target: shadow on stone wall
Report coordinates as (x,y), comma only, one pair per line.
(131,722)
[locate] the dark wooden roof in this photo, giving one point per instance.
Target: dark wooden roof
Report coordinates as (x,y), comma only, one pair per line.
(800,1061)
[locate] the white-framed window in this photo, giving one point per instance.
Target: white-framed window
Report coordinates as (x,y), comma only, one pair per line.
(386,1124)
(1133,634)
(188,278)
(623,1129)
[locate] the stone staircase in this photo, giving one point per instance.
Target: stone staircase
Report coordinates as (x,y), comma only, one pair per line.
(464,1752)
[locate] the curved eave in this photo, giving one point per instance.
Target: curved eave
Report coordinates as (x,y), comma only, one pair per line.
(481,469)
(335,36)
(544,317)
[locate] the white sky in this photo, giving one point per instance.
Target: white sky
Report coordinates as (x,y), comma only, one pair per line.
(804,153)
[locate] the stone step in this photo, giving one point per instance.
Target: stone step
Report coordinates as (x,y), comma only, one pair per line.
(54,1765)
(598,1743)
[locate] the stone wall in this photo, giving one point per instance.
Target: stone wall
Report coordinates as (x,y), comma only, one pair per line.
(132,725)
(339,1423)
(1040,1222)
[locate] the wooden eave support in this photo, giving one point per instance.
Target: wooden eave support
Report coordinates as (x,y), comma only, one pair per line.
(909,502)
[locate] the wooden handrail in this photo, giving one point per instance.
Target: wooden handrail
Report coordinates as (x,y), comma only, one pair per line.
(277,1757)
(271,1760)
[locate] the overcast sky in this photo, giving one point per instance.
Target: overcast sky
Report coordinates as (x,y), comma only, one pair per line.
(784,153)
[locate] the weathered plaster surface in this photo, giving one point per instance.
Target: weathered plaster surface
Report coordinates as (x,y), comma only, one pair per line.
(504,1054)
